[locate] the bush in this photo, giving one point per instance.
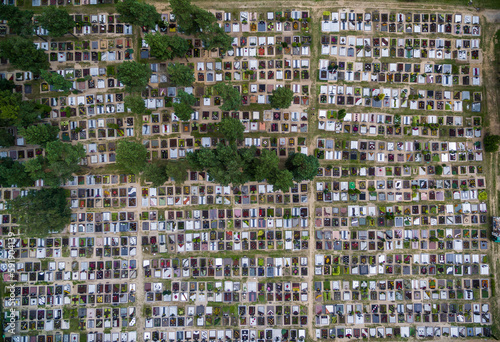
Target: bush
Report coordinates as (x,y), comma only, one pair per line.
(491,142)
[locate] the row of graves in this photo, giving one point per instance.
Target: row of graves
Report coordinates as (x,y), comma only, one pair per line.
(209,316)
(416,73)
(263,239)
(226,267)
(124,336)
(402,289)
(407,264)
(123,195)
(404,332)
(56,294)
(422,189)
(86,51)
(261,335)
(421,23)
(406,216)
(188,195)
(393,239)
(75,270)
(393,98)
(279,21)
(107,317)
(388,47)
(57,337)
(52,319)
(359,314)
(247,46)
(399,313)
(382,125)
(404,171)
(406,152)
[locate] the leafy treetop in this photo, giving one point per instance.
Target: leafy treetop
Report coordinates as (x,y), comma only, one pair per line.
(138,13)
(135,76)
(230,95)
(41,212)
(56,20)
(23,54)
(180,75)
(281,98)
(131,156)
(166,47)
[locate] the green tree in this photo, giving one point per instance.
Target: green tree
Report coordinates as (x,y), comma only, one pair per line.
(9,105)
(180,75)
(302,167)
(215,37)
(232,129)
(56,80)
(61,161)
(267,165)
(491,142)
(22,54)
(230,96)
(190,18)
(41,212)
(155,173)
(56,20)
(135,103)
(131,156)
(13,173)
(223,164)
(341,114)
(6,139)
(183,109)
(281,98)
(138,13)
(29,113)
(178,170)
(6,84)
(39,134)
(20,22)
(166,47)
(281,180)
(135,76)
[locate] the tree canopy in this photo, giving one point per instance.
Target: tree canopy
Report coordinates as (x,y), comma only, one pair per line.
(23,54)
(137,13)
(135,76)
(302,167)
(183,109)
(29,113)
(177,169)
(135,103)
(13,173)
(6,138)
(215,37)
(191,19)
(281,180)
(491,142)
(39,134)
(196,21)
(155,173)
(56,20)
(20,22)
(9,105)
(59,82)
(131,156)
(60,162)
(230,95)
(166,47)
(6,84)
(232,129)
(281,98)
(180,75)
(40,212)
